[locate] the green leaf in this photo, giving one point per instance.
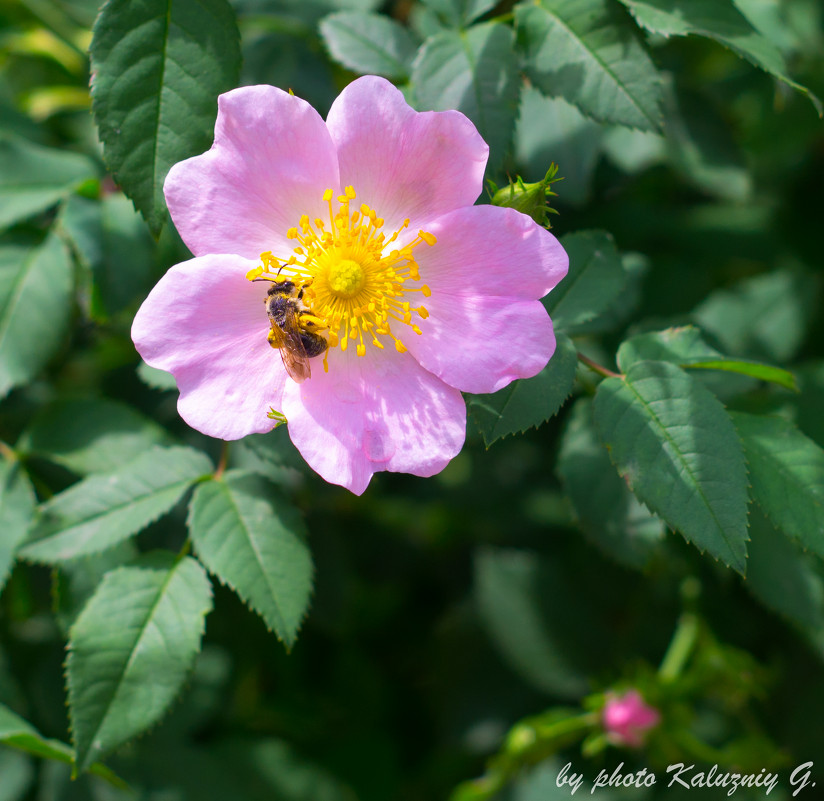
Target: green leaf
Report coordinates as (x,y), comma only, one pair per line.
(608,512)
(685,346)
(674,443)
(719,20)
(35,307)
(764,317)
(35,178)
(474,71)
(155,378)
(73,583)
(17,770)
(252,539)
(701,147)
(16,732)
(763,372)
(90,435)
(519,597)
(787,476)
(596,277)
(786,580)
(113,244)
(131,650)
(588,52)
(551,130)
(369,43)
(102,510)
(17,505)
(459,13)
(158,67)
(527,402)
(681,345)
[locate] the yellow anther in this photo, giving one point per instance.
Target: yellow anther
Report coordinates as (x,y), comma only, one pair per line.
(353,286)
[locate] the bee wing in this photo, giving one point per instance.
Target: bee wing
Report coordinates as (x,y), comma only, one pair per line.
(292,350)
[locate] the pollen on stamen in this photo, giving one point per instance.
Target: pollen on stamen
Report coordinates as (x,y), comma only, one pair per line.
(348,282)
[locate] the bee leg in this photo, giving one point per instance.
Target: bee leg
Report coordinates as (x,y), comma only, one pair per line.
(305,285)
(313,323)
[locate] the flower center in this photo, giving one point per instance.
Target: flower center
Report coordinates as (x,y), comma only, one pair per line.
(346,278)
(351,276)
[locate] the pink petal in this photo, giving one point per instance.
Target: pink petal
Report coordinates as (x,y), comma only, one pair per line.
(270,163)
(485,271)
(481,344)
(489,250)
(207,325)
(401,162)
(378,412)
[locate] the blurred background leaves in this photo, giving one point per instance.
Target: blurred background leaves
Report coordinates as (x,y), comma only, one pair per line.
(527,575)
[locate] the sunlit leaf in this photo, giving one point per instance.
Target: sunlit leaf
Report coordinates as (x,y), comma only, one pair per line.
(527,402)
(35,308)
(131,650)
(102,510)
(252,539)
(369,43)
(588,52)
(474,71)
(158,67)
(674,443)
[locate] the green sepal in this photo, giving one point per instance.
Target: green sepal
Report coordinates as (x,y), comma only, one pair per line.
(529,199)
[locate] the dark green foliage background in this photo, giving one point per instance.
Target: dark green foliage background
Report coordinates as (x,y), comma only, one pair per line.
(525,576)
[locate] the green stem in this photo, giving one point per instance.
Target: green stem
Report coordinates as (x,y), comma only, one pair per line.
(680,647)
(224,458)
(594,366)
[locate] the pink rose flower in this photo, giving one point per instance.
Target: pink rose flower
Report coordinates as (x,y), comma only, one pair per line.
(418,294)
(627,718)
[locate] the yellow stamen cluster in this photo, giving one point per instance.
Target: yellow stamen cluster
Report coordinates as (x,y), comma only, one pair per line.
(353,279)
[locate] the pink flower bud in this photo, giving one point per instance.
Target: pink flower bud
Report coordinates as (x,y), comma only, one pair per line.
(627,718)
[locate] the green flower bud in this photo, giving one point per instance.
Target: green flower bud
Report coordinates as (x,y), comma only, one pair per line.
(529,199)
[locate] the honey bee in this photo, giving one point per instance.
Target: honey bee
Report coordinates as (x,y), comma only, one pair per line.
(294,329)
